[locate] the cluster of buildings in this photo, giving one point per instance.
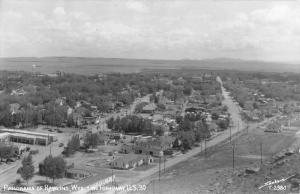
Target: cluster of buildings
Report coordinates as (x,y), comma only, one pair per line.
(142,151)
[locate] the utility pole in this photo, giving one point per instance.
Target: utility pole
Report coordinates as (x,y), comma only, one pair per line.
(164,163)
(261,153)
(50,144)
(233,147)
(159,169)
(205,147)
(230,134)
(201,146)
(153,186)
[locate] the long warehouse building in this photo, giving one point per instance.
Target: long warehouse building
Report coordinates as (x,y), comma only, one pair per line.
(27,137)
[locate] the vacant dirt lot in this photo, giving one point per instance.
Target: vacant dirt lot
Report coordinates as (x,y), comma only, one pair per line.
(213,173)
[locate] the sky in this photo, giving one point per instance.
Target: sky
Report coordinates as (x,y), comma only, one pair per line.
(157,29)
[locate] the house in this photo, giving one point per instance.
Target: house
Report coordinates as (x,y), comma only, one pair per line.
(274,127)
(153,147)
(4,137)
(75,173)
(131,161)
(213,127)
(18,92)
(60,101)
(149,108)
(14,108)
(127,148)
(89,120)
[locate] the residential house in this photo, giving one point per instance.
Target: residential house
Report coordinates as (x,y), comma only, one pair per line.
(18,92)
(14,108)
(274,127)
(61,101)
(149,108)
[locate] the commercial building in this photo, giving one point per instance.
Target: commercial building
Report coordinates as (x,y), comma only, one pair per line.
(131,161)
(151,147)
(27,137)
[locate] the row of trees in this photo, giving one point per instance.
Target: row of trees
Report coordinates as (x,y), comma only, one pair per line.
(133,124)
(51,167)
(90,140)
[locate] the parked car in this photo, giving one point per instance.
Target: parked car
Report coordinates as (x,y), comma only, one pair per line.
(51,130)
(61,145)
(59,131)
(10,160)
(33,152)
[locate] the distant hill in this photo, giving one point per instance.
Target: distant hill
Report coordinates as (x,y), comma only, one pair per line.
(82,65)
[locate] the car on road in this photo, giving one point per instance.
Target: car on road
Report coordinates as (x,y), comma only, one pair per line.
(61,145)
(51,130)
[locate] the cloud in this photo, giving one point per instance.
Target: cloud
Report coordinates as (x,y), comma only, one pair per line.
(143,29)
(59,11)
(137,6)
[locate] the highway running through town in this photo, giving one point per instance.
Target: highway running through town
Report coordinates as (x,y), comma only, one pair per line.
(238,125)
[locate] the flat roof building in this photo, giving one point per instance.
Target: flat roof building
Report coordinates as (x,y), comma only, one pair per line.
(28,137)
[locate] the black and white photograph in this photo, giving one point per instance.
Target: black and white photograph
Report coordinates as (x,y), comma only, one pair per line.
(149,96)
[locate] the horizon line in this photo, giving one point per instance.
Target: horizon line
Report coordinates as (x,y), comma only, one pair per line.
(158,59)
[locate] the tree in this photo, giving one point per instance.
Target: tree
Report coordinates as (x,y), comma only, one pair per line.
(27,169)
(110,123)
(223,124)
(201,131)
(186,125)
(159,130)
(53,167)
(5,152)
(161,107)
(187,90)
(73,145)
(92,139)
(188,139)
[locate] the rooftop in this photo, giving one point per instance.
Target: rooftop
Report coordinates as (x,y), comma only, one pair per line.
(26,132)
(130,157)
